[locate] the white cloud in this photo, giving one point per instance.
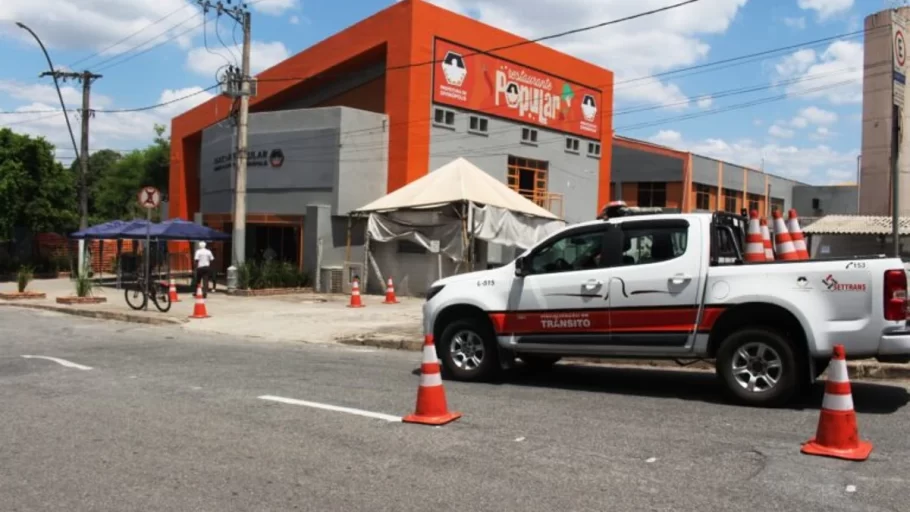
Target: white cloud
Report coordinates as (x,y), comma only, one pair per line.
(262,56)
(633,49)
(36,93)
(835,75)
(797,23)
(821,133)
(274,7)
(127,130)
(826,8)
(814,164)
(757,122)
(294,20)
(817,115)
(780,132)
(705,101)
(92,25)
(799,122)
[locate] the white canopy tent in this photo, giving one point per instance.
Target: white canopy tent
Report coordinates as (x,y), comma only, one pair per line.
(445,211)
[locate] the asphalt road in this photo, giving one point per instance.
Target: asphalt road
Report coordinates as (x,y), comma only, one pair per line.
(168,421)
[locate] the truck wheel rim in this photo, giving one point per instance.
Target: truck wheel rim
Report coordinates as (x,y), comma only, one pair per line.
(467,350)
(757,367)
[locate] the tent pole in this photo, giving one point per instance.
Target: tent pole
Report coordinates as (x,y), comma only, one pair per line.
(347,250)
(470,217)
(366,257)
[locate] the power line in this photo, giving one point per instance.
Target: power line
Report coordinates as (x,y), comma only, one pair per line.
(113,61)
(143,29)
(159,105)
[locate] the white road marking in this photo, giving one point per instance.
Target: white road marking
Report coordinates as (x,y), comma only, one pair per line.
(61,362)
(327,407)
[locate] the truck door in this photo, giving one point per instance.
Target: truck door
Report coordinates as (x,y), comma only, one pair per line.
(562,297)
(654,299)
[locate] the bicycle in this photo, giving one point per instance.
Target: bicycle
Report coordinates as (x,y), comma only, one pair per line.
(146,288)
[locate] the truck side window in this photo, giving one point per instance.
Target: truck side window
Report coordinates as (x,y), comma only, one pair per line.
(654,244)
(575,251)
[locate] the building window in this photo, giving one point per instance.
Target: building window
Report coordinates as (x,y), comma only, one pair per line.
(572,145)
(594,149)
(529,178)
(702,197)
(730,200)
(478,124)
(754,203)
(777,204)
(652,194)
(444,117)
(529,135)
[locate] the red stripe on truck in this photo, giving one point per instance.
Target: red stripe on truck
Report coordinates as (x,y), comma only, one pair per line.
(604,320)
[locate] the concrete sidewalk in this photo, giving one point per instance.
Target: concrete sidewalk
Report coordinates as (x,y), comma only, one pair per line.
(312,318)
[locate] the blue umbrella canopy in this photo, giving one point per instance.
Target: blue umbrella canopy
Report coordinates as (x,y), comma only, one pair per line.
(176,229)
(108,230)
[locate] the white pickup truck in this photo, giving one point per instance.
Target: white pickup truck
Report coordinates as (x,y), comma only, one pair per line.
(671,286)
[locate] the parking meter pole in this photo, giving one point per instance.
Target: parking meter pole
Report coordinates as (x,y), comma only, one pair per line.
(148,246)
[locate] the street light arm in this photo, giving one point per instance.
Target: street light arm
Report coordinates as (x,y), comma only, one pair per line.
(56,85)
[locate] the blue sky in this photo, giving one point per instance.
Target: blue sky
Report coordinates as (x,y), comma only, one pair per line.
(813,134)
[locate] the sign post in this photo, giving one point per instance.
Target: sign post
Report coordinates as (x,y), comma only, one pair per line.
(898,86)
(149,198)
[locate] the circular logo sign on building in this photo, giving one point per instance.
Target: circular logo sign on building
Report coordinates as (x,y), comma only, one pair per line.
(589,108)
(454,68)
(276,158)
(149,197)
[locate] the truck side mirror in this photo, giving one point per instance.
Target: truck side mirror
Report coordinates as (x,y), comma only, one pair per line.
(520,267)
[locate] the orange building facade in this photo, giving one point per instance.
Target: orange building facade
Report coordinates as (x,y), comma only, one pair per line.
(413,43)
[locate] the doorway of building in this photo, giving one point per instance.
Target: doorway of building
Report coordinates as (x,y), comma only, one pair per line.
(528,177)
(266,242)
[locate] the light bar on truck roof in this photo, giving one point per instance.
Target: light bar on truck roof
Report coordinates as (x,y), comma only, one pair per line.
(615,209)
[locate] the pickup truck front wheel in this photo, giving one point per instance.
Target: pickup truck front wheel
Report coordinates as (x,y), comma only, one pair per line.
(468,351)
(758,367)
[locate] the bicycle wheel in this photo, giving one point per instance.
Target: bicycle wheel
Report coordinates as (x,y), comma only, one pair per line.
(135,297)
(160,297)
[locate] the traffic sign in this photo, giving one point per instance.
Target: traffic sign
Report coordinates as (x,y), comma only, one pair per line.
(900,49)
(149,198)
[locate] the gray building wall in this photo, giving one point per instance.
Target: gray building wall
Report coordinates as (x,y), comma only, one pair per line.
(837,199)
(575,176)
(629,165)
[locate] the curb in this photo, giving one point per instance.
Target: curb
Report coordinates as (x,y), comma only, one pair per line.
(869,370)
(104,315)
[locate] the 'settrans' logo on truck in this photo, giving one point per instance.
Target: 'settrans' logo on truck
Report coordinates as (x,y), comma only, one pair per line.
(834,286)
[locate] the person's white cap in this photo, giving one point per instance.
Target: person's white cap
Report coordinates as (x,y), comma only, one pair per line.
(202,245)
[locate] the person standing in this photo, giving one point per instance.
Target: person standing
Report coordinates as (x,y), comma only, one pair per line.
(203,259)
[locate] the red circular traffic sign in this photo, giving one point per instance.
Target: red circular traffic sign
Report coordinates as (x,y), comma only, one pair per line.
(149,197)
(900,49)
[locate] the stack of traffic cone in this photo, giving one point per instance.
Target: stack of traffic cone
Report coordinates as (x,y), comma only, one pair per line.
(785,249)
(390,297)
(837,434)
(199,310)
(355,295)
(755,249)
(172,291)
(431,397)
(796,234)
(766,240)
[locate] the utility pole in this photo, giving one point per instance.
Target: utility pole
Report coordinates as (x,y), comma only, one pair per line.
(238,85)
(86,77)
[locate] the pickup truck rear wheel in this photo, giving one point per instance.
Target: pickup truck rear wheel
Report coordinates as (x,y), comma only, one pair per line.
(758,367)
(468,351)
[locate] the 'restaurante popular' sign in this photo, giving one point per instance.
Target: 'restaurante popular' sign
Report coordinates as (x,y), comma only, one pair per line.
(468,79)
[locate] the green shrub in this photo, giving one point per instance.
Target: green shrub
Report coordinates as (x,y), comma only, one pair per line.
(23,277)
(83,283)
(254,275)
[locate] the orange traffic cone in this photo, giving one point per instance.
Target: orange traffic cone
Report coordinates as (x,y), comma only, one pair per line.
(199,310)
(785,248)
(796,234)
(172,291)
(837,435)
(390,297)
(755,249)
(766,240)
(355,295)
(431,396)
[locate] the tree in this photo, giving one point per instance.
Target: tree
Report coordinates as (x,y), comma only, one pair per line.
(100,163)
(36,192)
